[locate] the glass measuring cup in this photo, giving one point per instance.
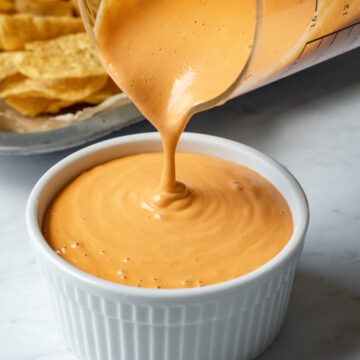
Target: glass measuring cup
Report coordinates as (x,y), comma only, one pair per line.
(299,34)
(90,10)
(289,36)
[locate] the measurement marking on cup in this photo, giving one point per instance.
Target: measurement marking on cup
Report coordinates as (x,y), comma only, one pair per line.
(331,38)
(314,18)
(326,47)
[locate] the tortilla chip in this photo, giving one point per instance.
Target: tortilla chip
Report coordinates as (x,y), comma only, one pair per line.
(33,106)
(70,56)
(45,8)
(44,1)
(7,67)
(67,43)
(107,91)
(6,6)
(17,29)
(76,7)
(72,90)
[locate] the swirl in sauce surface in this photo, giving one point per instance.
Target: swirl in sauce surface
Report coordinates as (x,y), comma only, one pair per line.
(232,222)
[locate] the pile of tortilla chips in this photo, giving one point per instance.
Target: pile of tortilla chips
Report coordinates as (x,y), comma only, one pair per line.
(47,63)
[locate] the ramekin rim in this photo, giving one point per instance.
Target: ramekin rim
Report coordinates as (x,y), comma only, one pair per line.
(41,245)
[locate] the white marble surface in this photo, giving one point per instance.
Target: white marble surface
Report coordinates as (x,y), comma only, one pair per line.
(310,123)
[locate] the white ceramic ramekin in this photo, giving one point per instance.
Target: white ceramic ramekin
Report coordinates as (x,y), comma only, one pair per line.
(233,320)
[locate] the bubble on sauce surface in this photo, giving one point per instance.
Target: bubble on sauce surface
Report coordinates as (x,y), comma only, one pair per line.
(237,185)
(178,265)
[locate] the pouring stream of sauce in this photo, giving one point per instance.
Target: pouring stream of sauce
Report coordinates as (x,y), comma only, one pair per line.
(220,220)
(169,56)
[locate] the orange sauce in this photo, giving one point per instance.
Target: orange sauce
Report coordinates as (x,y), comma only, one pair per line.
(231,222)
(210,220)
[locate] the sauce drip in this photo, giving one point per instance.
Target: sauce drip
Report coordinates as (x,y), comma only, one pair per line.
(210,220)
(169,56)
